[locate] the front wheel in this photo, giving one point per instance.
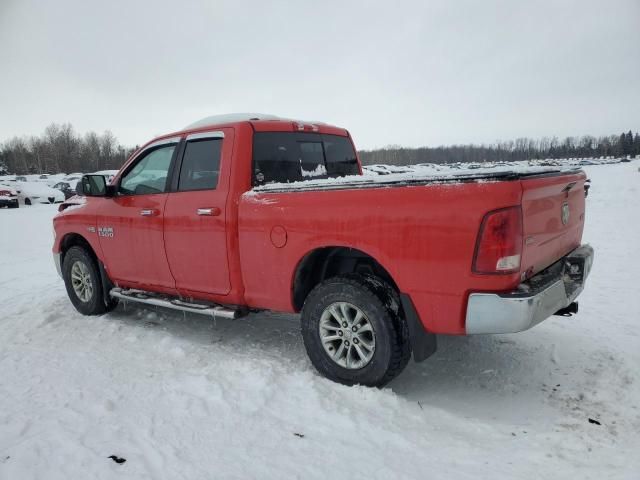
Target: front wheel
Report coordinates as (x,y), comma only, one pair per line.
(352,334)
(83,283)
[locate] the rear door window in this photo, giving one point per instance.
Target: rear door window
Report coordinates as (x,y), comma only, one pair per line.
(200,165)
(296,156)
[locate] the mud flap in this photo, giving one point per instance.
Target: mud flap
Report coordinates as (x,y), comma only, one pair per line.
(423,343)
(106,284)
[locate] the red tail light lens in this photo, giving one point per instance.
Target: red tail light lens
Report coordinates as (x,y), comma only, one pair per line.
(499,245)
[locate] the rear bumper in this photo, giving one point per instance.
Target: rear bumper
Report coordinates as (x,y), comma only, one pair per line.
(535,300)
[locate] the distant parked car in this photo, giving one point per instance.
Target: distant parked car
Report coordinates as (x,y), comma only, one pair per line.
(52,179)
(37,192)
(20,178)
(72,177)
(67,188)
(107,174)
(8,197)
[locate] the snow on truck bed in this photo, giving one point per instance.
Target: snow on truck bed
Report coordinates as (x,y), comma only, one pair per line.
(181,397)
(389,176)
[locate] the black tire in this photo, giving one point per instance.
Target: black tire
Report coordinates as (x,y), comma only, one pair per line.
(94,305)
(373,297)
(27,201)
(15,205)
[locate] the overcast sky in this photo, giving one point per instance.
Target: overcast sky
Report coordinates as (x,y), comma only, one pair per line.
(411,73)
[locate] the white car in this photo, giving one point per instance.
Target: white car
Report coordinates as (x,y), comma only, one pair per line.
(52,179)
(71,177)
(30,193)
(107,174)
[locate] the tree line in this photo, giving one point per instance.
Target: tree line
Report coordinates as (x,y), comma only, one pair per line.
(61,149)
(587,146)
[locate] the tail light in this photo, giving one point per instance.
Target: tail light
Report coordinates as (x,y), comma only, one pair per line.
(499,245)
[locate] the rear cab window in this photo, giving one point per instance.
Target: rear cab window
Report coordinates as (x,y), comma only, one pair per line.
(295,156)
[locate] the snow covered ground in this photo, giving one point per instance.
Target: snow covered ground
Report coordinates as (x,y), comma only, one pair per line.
(181,397)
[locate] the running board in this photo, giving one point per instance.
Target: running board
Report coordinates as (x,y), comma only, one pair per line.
(140,296)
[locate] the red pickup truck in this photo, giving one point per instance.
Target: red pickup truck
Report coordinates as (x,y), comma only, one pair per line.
(245,213)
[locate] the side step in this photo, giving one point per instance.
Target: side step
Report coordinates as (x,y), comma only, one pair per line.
(148,298)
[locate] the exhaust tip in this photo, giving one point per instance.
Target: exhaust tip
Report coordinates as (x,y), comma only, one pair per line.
(569,310)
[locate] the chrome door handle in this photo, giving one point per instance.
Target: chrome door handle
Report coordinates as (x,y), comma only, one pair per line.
(148,212)
(209,212)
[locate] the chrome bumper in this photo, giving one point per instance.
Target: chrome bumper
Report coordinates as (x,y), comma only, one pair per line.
(535,300)
(56,261)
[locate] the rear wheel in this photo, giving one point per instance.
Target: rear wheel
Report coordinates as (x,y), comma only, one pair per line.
(27,201)
(83,282)
(351,332)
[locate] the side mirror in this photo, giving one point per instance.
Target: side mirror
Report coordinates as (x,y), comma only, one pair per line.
(93,186)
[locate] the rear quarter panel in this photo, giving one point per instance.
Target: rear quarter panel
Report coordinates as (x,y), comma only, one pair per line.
(424,236)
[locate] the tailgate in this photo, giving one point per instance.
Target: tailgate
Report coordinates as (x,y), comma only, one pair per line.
(553,218)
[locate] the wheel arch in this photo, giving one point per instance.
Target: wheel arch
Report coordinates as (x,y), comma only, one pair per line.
(76,240)
(325,262)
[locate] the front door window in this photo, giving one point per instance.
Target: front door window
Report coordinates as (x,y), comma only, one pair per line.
(149,175)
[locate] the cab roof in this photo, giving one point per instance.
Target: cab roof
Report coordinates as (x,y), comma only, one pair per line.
(242,117)
(260,122)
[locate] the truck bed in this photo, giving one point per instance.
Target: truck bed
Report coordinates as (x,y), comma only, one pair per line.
(417,177)
(423,235)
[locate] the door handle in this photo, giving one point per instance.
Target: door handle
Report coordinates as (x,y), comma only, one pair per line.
(148,212)
(209,212)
